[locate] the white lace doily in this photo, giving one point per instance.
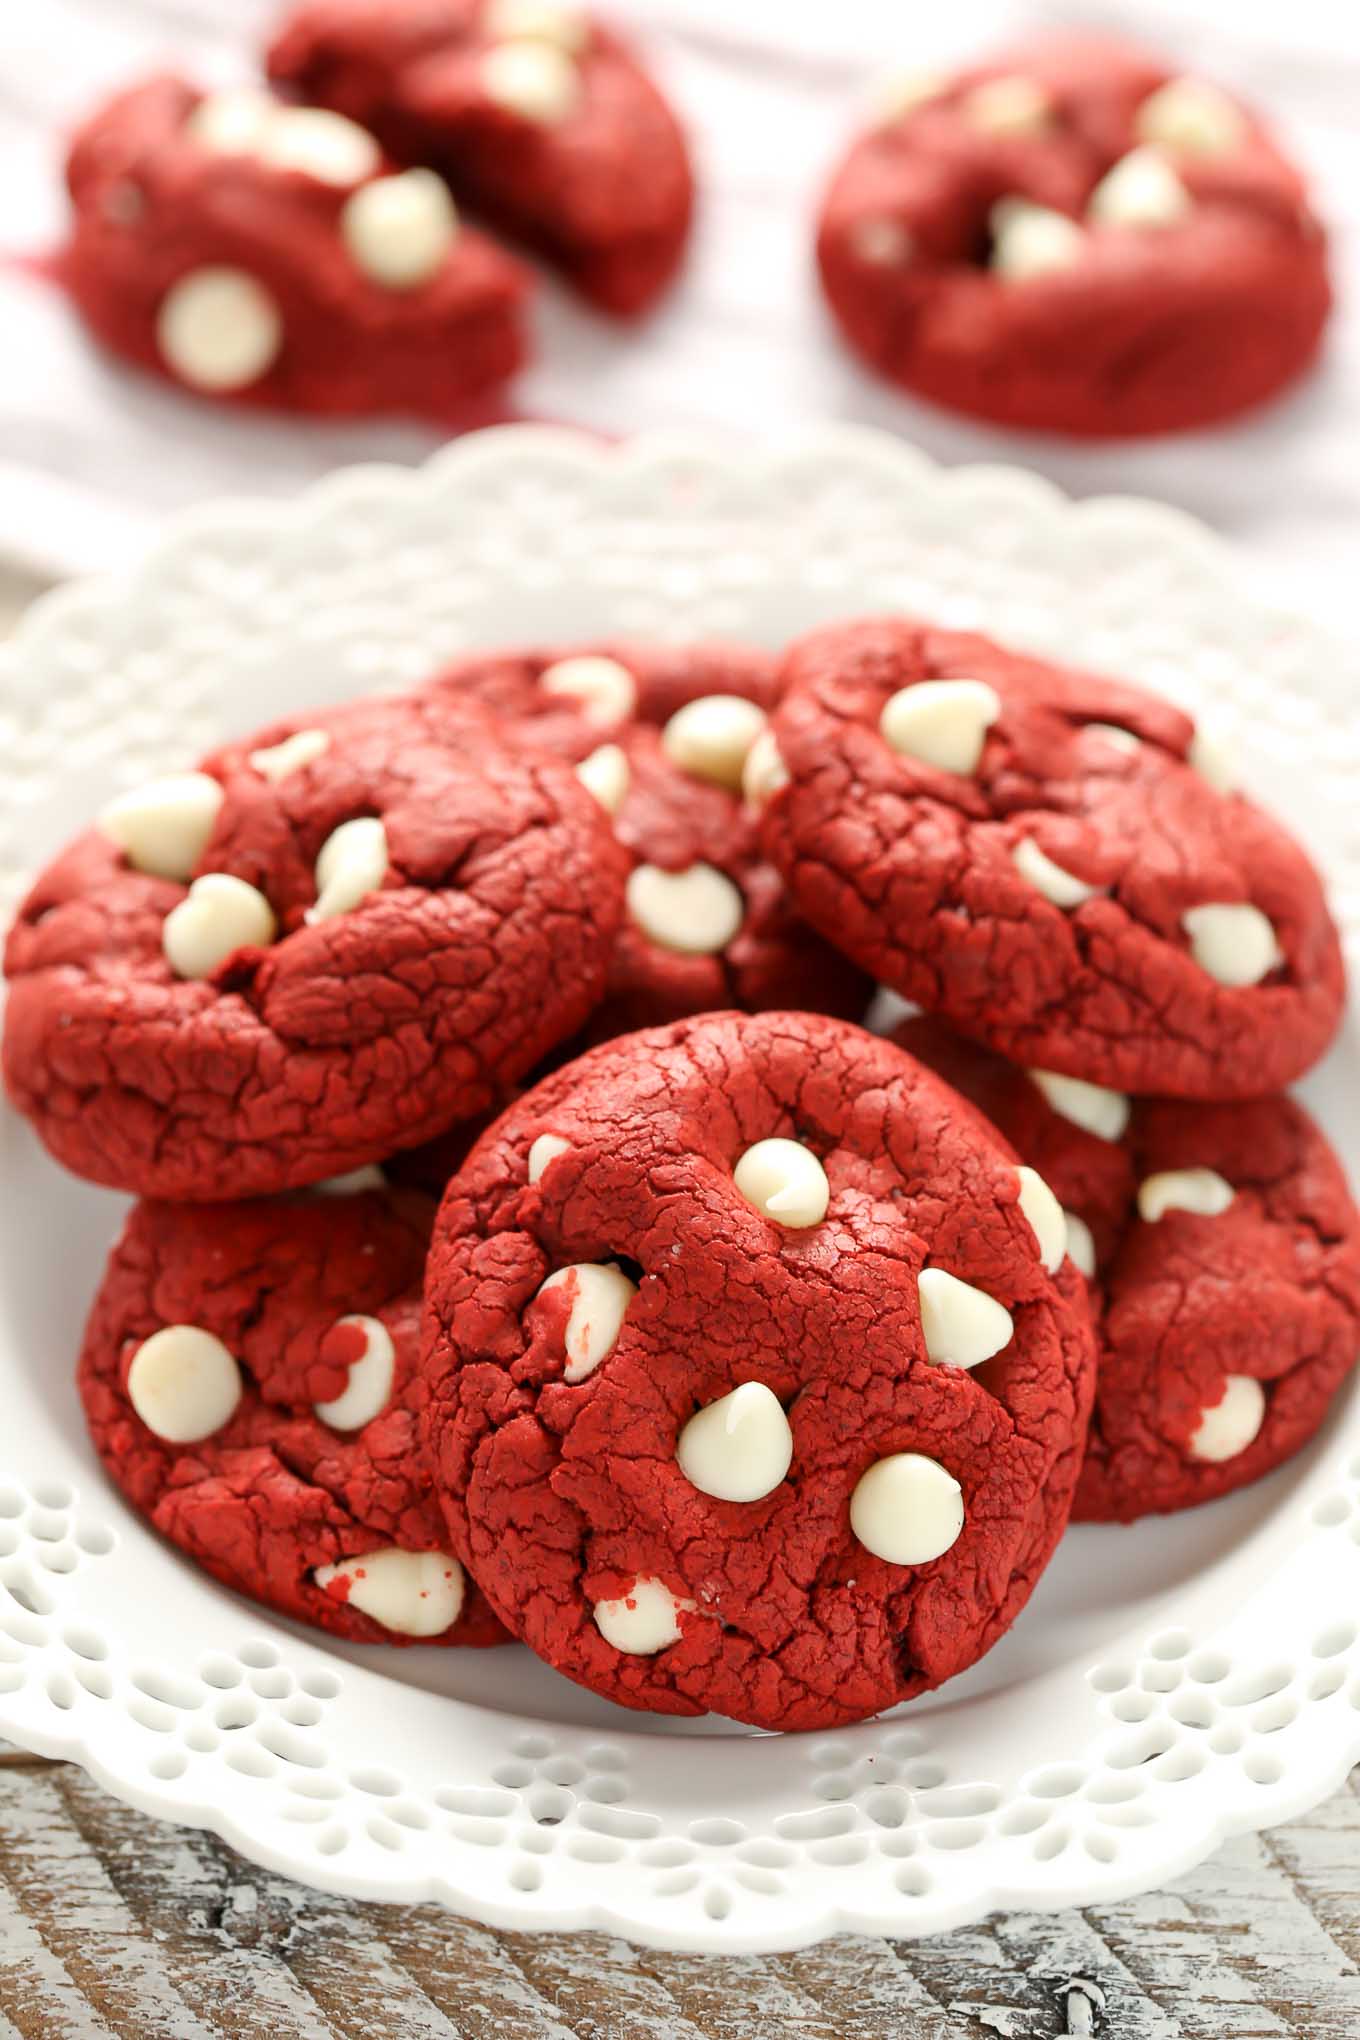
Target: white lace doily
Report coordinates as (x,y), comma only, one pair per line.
(1168,1685)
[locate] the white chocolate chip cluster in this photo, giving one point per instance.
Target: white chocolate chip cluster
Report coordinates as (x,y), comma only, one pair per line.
(218,327)
(164,827)
(1184,118)
(1232,1424)
(906,1508)
(944,724)
(185,1385)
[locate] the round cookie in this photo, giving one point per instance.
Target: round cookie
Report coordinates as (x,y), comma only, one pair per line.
(1223,1251)
(334,940)
(271,255)
(1052,860)
(1073,238)
(250,1382)
(749,1386)
(663,736)
(542,119)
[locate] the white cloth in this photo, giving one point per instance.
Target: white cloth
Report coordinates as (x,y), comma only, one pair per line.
(93,457)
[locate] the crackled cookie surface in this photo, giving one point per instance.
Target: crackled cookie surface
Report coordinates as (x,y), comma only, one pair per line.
(273,254)
(1223,1252)
(1052,860)
(540,117)
(249,1379)
(668,739)
(1076,238)
(757,1379)
(333,940)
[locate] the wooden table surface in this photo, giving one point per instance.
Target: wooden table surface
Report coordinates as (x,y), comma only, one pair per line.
(111,1923)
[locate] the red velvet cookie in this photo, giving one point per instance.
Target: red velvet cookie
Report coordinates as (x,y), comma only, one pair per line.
(662,737)
(269,254)
(1050,859)
(249,1378)
(750,1387)
(1223,1251)
(1072,238)
(542,120)
(334,940)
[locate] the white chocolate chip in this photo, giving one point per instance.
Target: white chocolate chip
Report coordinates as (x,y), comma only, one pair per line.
(1192,115)
(644,1620)
(1121,739)
(219,915)
(603,690)
(231,123)
(1063,888)
(1032,240)
(738,1448)
(412,1593)
(1202,1191)
(370,1379)
(907,1509)
(399,229)
(910,89)
(711,738)
(1210,757)
(606,774)
(1142,190)
(942,722)
(184,1384)
(1081,1245)
(1045,1215)
(535,21)
(164,826)
(764,772)
(962,1326)
(370,1177)
(881,242)
(277,761)
(1235,943)
(696,911)
(1093,1107)
(535,79)
(545,1150)
(1230,1425)
(600,1295)
(218,329)
(1009,106)
(320,144)
(351,864)
(785,1181)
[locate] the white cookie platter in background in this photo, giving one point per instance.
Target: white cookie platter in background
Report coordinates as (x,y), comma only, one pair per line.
(1168,1685)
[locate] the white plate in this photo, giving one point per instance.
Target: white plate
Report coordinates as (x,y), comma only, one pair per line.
(1168,1686)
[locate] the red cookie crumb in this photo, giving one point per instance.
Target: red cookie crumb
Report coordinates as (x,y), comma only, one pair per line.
(674,817)
(484,942)
(995,244)
(275,1492)
(1065,886)
(554,1442)
(1193,1306)
(249,276)
(555,133)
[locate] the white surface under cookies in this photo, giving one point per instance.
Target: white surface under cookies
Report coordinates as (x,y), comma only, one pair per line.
(1167,1687)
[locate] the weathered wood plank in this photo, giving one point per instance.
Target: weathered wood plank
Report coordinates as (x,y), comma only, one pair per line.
(112,1924)
(1237,1952)
(66,1892)
(224,1927)
(599,1987)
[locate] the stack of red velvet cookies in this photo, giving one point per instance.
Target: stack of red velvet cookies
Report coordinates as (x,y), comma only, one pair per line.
(751,1361)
